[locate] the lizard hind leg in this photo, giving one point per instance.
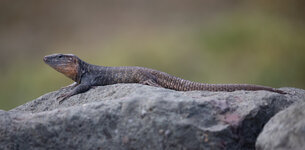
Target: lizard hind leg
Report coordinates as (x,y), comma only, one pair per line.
(151,83)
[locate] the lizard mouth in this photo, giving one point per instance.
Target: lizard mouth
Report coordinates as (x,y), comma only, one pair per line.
(48,59)
(56,59)
(45,59)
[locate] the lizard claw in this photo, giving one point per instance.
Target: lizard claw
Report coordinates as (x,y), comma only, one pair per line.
(62,97)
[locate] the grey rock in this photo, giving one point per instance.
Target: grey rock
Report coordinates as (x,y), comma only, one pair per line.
(286,130)
(133,116)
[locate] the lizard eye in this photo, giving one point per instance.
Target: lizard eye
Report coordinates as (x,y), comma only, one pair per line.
(60,56)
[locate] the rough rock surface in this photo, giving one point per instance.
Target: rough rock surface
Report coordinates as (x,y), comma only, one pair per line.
(133,116)
(286,130)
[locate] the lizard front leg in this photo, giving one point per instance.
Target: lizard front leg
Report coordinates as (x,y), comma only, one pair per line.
(78,89)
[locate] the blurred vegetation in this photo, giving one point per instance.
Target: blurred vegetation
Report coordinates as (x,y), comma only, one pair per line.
(210,42)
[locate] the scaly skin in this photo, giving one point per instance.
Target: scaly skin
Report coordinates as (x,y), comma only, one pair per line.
(86,75)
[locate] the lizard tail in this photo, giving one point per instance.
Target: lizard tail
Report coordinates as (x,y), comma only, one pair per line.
(179,84)
(234,87)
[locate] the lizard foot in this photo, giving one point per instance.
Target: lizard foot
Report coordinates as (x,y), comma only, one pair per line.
(62,97)
(151,83)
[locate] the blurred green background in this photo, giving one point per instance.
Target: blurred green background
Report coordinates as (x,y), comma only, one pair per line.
(210,41)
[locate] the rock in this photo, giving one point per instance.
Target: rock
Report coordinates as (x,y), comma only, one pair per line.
(133,116)
(286,130)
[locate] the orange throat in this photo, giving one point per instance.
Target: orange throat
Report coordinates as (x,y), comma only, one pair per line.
(70,71)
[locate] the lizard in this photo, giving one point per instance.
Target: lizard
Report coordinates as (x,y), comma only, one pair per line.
(87,76)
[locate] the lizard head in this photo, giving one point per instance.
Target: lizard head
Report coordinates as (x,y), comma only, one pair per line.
(67,64)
